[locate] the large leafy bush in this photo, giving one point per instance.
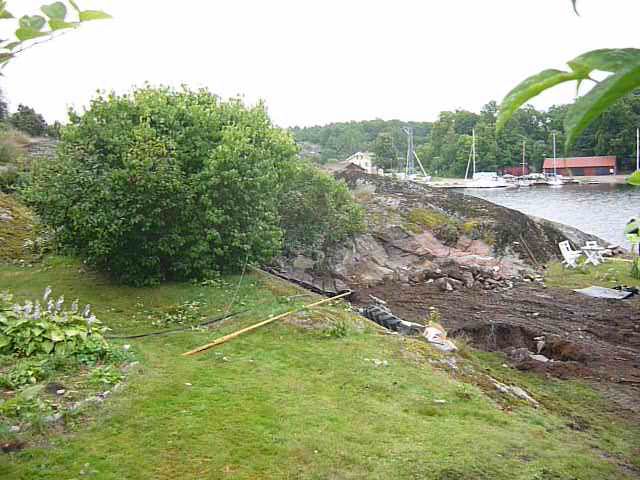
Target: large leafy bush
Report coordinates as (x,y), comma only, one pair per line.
(164,184)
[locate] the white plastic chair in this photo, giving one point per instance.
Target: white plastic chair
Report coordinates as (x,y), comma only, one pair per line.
(595,254)
(570,255)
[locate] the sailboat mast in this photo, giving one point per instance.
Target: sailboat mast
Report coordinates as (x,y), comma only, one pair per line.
(638,149)
(473,149)
(554,154)
(523,153)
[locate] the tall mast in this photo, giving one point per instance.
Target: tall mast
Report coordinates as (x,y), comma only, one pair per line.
(523,153)
(638,149)
(473,149)
(410,166)
(554,154)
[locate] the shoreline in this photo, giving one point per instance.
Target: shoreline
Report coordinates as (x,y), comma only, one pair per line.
(587,180)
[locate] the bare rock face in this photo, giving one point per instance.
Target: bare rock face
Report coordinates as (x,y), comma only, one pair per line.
(417,234)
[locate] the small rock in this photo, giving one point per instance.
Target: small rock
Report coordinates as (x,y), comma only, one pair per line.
(188,385)
(14,429)
(60,392)
(440,401)
(539,358)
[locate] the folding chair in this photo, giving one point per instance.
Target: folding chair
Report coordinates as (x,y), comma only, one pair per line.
(570,255)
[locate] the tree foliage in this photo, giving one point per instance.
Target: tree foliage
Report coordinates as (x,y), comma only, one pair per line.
(56,18)
(315,210)
(623,67)
(164,184)
(337,141)
(27,120)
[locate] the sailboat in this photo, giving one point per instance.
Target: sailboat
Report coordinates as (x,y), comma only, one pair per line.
(522,181)
(481,179)
(556,180)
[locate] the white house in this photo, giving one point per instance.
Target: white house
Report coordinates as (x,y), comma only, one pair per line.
(363,160)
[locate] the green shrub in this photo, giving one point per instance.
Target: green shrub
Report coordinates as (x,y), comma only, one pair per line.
(316,210)
(164,184)
(31,329)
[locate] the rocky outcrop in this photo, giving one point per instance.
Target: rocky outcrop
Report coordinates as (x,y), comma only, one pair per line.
(416,234)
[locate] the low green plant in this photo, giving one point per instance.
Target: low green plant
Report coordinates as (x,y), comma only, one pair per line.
(26,372)
(182,314)
(105,375)
(31,329)
(338,329)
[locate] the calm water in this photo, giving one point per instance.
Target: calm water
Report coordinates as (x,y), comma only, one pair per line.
(602,210)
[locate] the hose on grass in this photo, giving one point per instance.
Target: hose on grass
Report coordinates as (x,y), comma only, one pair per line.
(176,330)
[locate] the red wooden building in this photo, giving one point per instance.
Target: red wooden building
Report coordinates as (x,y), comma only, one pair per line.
(582,166)
(516,171)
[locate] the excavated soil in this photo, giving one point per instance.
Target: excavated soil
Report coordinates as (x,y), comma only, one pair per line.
(593,339)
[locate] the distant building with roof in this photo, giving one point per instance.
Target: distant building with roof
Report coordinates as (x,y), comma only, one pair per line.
(582,166)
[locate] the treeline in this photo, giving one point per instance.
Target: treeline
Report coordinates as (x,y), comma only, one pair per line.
(444,145)
(27,120)
(337,141)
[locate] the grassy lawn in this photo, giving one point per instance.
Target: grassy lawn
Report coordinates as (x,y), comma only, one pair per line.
(609,274)
(294,401)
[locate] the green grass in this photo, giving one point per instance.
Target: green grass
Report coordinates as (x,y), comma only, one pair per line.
(608,274)
(288,401)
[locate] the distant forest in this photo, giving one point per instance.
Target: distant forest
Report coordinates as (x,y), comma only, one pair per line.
(444,145)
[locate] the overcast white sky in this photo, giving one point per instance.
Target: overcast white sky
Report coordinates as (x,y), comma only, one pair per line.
(316,62)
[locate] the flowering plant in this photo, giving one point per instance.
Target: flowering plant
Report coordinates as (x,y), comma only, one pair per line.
(36,328)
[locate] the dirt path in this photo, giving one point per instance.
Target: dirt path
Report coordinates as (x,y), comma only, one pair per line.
(594,339)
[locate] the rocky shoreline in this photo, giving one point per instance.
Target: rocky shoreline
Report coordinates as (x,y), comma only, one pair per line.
(481,266)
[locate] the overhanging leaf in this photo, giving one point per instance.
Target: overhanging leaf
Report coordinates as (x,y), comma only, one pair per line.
(12,45)
(74,5)
(529,88)
(602,96)
(5,15)
(605,60)
(5,57)
(25,34)
(634,179)
(61,25)
(34,22)
(89,15)
(55,11)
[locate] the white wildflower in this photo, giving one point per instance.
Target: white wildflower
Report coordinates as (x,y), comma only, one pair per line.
(47,293)
(36,311)
(74,306)
(28,308)
(50,306)
(87,311)
(59,303)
